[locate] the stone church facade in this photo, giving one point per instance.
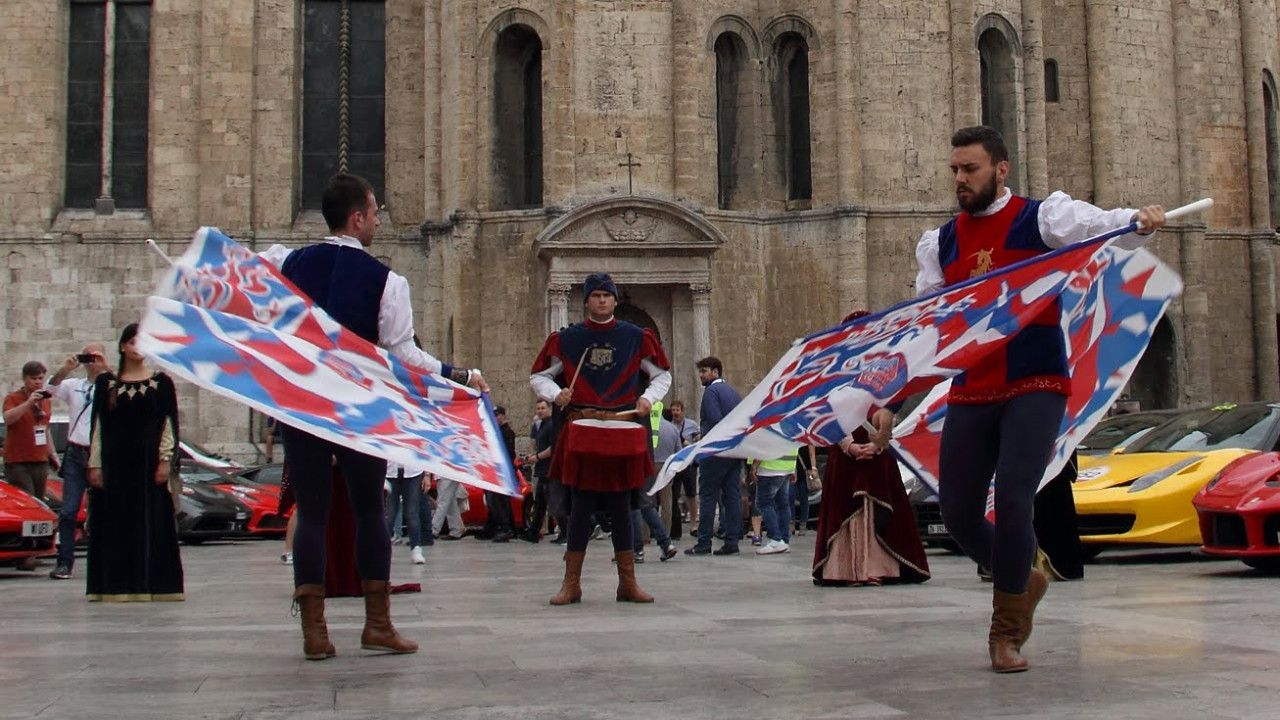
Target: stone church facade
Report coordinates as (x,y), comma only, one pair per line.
(748,170)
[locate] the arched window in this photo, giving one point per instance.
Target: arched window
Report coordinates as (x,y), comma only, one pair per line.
(517,119)
(1051,80)
(107,112)
(732,115)
(343,94)
(792,53)
(1273,147)
(1000,94)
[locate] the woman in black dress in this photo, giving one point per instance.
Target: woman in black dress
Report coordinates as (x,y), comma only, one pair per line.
(133,537)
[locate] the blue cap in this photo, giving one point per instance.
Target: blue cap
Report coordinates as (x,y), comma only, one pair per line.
(598,281)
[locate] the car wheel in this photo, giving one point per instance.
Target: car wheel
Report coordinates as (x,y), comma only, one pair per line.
(526,512)
(193,541)
(1091,552)
(1264,564)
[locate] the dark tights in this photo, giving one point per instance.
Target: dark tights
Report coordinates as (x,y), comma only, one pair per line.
(583,503)
(1011,441)
(311,477)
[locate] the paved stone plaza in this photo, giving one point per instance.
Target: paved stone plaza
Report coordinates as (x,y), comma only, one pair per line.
(1163,636)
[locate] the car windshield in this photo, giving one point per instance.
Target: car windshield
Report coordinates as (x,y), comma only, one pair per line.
(200,474)
(1120,431)
(1247,427)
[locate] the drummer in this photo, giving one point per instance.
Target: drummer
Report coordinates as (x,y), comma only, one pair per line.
(593,371)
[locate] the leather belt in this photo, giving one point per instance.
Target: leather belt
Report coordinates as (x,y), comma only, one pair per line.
(78,446)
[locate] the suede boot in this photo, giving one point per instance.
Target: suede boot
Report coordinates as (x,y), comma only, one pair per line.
(628,589)
(379,633)
(1037,585)
(571,588)
(1008,618)
(315,633)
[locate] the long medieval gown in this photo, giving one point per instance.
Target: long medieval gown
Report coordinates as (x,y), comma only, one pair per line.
(133,535)
(867,534)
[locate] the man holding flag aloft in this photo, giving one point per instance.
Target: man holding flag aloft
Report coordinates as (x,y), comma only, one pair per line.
(367,298)
(595,370)
(1005,410)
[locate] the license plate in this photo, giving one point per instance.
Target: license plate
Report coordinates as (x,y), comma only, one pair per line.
(241,516)
(37,528)
(937,529)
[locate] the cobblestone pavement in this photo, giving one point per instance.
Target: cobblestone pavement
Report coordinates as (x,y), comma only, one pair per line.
(1164,635)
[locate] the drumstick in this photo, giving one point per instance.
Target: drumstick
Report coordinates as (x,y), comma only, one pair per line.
(577,371)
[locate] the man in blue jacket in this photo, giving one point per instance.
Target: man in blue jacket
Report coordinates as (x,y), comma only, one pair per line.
(719,478)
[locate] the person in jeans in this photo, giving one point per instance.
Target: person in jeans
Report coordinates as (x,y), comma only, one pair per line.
(77,395)
(719,478)
(668,444)
(406,491)
(773,498)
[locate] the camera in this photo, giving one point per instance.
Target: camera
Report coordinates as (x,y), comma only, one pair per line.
(42,394)
(85,358)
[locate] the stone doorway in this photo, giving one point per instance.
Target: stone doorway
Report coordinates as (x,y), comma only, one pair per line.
(659,254)
(1154,383)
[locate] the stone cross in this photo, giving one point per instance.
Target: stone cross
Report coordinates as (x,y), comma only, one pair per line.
(629,165)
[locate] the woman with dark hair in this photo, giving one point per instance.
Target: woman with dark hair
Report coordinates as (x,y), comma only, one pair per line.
(133,538)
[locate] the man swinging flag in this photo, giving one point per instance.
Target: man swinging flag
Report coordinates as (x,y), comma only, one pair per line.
(228,321)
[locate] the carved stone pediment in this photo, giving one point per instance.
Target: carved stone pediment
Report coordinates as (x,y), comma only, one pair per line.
(639,226)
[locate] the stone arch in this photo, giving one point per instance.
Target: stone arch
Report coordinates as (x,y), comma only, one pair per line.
(1154,383)
(790,23)
(1000,78)
(510,145)
(738,26)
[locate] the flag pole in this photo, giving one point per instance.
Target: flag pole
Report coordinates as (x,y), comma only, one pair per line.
(152,244)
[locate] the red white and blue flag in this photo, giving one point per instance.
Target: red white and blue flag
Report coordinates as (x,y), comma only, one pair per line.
(228,321)
(1107,324)
(828,382)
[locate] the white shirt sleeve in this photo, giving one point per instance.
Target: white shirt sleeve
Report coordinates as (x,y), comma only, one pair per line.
(275,254)
(395,325)
(659,381)
(929,277)
(1064,221)
(544,382)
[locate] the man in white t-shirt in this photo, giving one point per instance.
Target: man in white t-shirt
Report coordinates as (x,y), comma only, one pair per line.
(77,395)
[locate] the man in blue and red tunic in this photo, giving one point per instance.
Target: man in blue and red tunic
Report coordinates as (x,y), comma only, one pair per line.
(1005,411)
(596,372)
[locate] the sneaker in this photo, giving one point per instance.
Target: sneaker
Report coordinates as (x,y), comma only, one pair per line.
(286,558)
(599,533)
(560,540)
(756,540)
(416,556)
(667,553)
(640,557)
(62,572)
(396,539)
(698,550)
(799,530)
(773,548)
(726,550)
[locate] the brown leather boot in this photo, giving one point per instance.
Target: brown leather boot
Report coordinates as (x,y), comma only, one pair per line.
(379,633)
(628,589)
(1008,613)
(315,633)
(1037,585)
(571,588)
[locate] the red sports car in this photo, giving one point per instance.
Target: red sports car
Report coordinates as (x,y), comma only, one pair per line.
(1239,511)
(477,512)
(27,526)
(262,500)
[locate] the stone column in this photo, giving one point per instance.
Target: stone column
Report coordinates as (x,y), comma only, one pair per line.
(1036,160)
(1253,16)
(701,320)
(557,306)
(964,66)
(848,119)
(701,294)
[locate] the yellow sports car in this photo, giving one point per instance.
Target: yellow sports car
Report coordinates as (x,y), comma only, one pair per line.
(1142,495)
